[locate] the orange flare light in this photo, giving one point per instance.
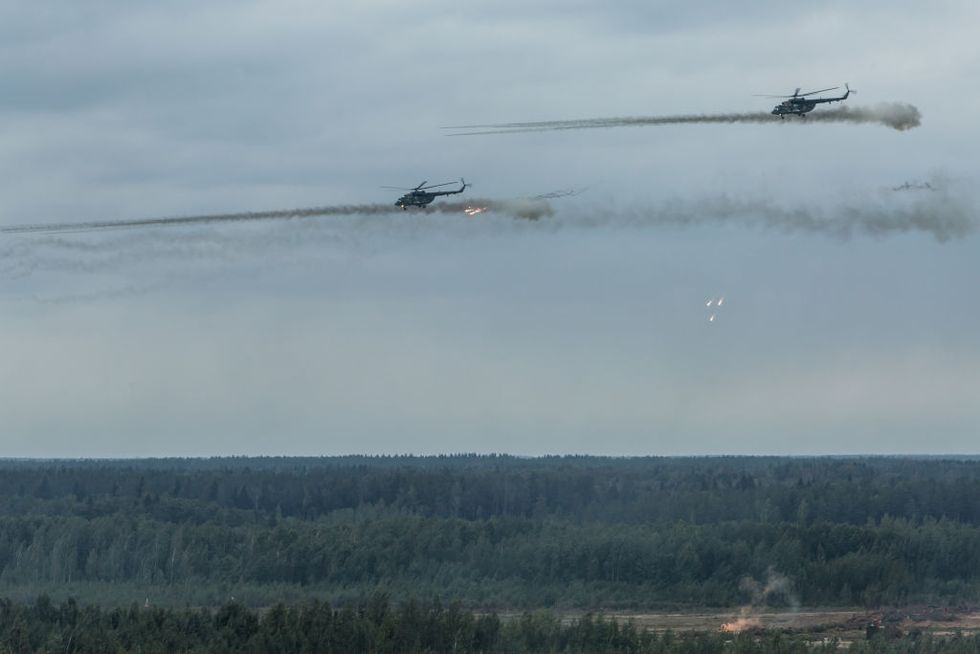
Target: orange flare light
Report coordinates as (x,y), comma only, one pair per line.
(739,625)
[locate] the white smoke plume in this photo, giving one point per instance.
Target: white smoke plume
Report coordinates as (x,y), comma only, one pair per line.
(898,116)
(777,589)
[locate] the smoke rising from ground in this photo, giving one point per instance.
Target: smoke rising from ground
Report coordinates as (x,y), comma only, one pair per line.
(895,115)
(777,590)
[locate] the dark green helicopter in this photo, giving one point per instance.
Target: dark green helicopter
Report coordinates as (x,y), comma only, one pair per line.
(798,104)
(421,196)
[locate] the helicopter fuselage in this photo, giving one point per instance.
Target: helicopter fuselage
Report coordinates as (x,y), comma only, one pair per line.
(421,198)
(790,107)
(415,199)
(798,105)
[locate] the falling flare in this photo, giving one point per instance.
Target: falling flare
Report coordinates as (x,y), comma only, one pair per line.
(713,305)
(472,211)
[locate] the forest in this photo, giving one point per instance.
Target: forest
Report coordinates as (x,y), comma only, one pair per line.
(492,532)
(378,626)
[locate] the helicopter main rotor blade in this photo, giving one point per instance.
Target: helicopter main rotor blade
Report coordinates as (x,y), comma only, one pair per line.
(398,188)
(832,88)
(436,185)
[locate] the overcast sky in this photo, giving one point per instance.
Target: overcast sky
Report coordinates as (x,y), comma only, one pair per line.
(584,332)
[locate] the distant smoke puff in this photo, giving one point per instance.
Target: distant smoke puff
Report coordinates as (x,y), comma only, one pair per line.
(895,115)
(531,209)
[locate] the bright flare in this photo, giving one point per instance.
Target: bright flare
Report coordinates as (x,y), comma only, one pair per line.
(739,625)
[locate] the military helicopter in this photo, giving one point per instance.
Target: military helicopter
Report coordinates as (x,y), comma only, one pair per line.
(421,196)
(915,186)
(798,104)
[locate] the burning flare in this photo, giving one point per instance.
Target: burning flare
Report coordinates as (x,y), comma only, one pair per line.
(739,625)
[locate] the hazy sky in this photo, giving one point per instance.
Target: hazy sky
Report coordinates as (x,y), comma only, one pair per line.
(584,332)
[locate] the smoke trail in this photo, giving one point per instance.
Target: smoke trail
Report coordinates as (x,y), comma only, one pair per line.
(560,193)
(50,250)
(941,215)
(195,220)
(123,292)
(895,115)
(532,208)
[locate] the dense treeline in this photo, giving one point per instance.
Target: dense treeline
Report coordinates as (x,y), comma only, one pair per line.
(494,531)
(638,490)
(377,626)
(507,562)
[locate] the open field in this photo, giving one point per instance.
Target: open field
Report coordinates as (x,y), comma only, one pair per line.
(845,624)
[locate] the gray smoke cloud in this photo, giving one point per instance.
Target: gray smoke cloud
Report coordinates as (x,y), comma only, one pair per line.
(777,590)
(942,215)
(895,115)
(525,208)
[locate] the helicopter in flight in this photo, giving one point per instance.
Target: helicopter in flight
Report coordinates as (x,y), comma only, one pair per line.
(421,196)
(799,104)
